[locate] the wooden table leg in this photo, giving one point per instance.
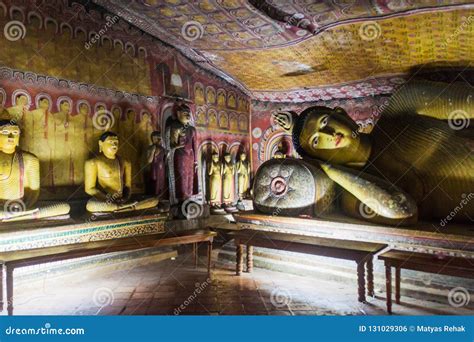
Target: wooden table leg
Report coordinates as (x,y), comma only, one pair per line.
(361,280)
(397,285)
(370,277)
(249,258)
(209,255)
(195,254)
(1,287)
(9,281)
(388,284)
(240,259)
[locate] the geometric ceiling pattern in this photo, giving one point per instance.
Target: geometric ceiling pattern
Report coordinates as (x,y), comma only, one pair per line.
(308,50)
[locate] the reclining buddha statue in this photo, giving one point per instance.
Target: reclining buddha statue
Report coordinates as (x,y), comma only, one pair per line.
(20,180)
(108,178)
(417,162)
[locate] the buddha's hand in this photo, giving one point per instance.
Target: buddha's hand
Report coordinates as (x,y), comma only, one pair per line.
(284,119)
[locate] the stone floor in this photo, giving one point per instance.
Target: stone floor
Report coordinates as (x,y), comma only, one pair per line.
(174,287)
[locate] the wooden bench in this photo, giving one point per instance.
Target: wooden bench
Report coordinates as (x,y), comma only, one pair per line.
(9,261)
(423,262)
(360,252)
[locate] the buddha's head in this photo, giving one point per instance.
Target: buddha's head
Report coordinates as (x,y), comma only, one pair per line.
(64,107)
(130,114)
(243,156)
(327,134)
(84,109)
(227,157)
(44,103)
(215,157)
(109,144)
(156,138)
(9,136)
(183,114)
(22,100)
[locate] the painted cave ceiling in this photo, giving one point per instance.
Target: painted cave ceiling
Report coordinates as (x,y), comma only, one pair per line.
(302,50)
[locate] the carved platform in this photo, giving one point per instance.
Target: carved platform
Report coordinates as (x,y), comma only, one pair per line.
(453,239)
(25,235)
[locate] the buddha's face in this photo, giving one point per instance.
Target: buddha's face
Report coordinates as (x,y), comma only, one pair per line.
(100,109)
(184,116)
(109,146)
(130,114)
(243,157)
(215,158)
(44,104)
(64,107)
(83,109)
(156,139)
(9,138)
(328,136)
(227,158)
(22,100)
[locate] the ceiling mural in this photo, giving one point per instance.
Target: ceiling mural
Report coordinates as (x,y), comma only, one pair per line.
(303,50)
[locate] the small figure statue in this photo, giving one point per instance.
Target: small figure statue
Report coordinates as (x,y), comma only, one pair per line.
(182,158)
(20,180)
(243,179)
(228,181)
(215,182)
(155,172)
(108,179)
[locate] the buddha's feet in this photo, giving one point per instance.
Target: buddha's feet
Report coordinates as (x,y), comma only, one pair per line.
(292,187)
(50,211)
(96,206)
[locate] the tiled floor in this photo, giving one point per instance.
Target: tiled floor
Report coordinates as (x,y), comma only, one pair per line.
(175,287)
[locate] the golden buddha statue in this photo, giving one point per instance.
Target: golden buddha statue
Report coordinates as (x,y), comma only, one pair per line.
(416,163)
(20,180)
(108,179)
(228,182)
(243,175)
(215,181)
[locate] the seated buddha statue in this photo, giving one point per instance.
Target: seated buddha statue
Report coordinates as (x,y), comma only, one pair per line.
(20,180)
(108,179)
(416,163)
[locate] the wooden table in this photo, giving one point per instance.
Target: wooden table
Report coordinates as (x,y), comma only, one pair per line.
(360,252)
(9,261)
(423,262)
